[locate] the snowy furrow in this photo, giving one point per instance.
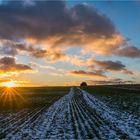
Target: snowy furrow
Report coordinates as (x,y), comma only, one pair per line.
(24,128)
(84,123)
(77,115)
(128,125)
(95,118)
(70,123)
(16,125)
(92,128)
(52,124)
(12,120)
(86,128)
(77,127)
(11,117)
(58,125)
(98,124)
(98,129)
(23,124)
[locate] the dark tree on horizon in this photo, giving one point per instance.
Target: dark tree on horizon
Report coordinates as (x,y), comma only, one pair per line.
(83,84)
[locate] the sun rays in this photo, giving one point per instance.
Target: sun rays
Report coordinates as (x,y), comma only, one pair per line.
(10,96)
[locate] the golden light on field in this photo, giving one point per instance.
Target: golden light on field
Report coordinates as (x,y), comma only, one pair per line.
(10,95)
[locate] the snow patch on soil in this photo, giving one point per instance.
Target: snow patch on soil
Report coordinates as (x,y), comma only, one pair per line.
(127,123)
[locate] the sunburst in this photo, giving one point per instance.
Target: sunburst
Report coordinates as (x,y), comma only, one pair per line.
(10,94)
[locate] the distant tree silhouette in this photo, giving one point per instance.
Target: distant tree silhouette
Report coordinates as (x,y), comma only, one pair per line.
(83,84)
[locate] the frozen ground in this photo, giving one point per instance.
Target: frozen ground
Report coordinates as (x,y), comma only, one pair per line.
(77,115)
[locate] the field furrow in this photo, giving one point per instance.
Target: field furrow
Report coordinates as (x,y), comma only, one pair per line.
(77,115)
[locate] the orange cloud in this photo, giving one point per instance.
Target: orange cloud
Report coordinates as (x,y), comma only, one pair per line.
(95,74)
(48,33)
(8,64)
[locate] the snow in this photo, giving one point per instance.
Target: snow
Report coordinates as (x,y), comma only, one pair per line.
(77,115)
(122,120)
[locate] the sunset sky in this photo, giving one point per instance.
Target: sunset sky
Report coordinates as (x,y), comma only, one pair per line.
(49,43)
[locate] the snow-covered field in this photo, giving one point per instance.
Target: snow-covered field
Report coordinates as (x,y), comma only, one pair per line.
(77,115)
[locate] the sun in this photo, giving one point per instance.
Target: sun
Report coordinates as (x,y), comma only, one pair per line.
(10,84)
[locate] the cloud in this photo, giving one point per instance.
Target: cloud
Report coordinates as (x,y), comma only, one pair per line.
(4,80)
(108,65)
(42,32)
(38,21)
(47,29)
(81,25)
(109,82)
(42,66)
(95,74)
(9,47)
(95,65)
(130,51)
(8,64)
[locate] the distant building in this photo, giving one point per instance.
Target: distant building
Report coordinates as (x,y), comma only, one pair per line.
(83,84)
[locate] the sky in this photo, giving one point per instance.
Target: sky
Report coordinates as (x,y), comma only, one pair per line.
(60,43)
